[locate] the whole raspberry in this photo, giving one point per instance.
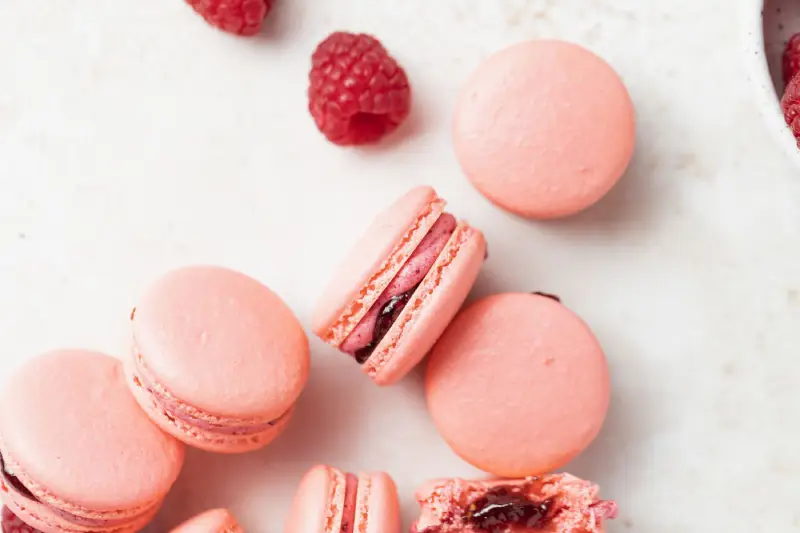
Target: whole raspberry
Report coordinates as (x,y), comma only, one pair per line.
(12,524)
(240,17)
(790,103)
(791,58)
(357,93)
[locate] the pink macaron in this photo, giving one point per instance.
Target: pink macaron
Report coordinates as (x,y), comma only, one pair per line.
(78,454)
(518,385)
(400,285)
(553,503)
(544,129)
(331,501)
(213,521)
(219,360)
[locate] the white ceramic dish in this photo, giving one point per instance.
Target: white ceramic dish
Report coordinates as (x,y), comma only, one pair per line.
(769,24)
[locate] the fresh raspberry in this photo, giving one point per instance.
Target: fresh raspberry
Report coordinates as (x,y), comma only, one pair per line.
(240,17)
(357,93)
(790,103)
(791,58)
(12,524)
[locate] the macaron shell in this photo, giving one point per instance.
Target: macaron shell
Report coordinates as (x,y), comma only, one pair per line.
(222,342)
(378,509)
(432,307)
(518,385)
(69,422)
(373,262)
(318,504)
(42,518)
(213,521)
(197,437)
(544,128)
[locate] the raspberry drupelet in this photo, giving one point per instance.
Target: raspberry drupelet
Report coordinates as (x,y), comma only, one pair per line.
(790,104)
(357,92)
(791,59)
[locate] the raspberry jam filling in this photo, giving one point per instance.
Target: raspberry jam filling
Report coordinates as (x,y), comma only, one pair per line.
(386,318)
(371,330)
(14,481)
(505,507)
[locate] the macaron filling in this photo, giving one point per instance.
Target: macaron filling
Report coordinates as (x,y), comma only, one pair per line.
(369,332)
(507,506)
(349,509)
(550,504)
(10,482)
(176,410)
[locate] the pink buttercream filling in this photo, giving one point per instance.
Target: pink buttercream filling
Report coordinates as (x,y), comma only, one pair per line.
(349,510)
(410,275)
(176,410)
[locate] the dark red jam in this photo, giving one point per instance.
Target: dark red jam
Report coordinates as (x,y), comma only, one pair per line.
(14,481)
(505,507)
(548,295)
(386,318)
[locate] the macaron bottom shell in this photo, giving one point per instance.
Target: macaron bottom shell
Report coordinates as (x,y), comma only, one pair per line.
(44,518)
(194,435)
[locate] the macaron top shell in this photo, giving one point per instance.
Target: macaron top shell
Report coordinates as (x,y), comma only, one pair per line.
(68,420)
(518,384)
(213,521)
(544,128)
(375,260)
(222,342)
(309,512)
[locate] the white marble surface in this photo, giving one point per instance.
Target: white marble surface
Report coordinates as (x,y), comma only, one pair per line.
(134,139)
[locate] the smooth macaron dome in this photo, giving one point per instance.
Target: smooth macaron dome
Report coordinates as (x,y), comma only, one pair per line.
(400,285)
(518,385)
(219,359)
(544,128)
(212,521)
(78,454)
(329,500)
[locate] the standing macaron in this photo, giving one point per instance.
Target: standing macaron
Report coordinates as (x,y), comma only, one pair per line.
(518,384)
(213,521)
(544,129)
(400,286)
(219,360)
(77,454)
(331,501)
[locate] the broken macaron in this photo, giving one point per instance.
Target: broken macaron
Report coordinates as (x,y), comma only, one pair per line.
(400,285)
(553,503)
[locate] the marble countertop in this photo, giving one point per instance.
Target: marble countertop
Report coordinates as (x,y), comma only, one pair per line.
(134,139)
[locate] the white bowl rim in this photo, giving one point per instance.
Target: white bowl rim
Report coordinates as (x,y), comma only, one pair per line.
(767,99)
